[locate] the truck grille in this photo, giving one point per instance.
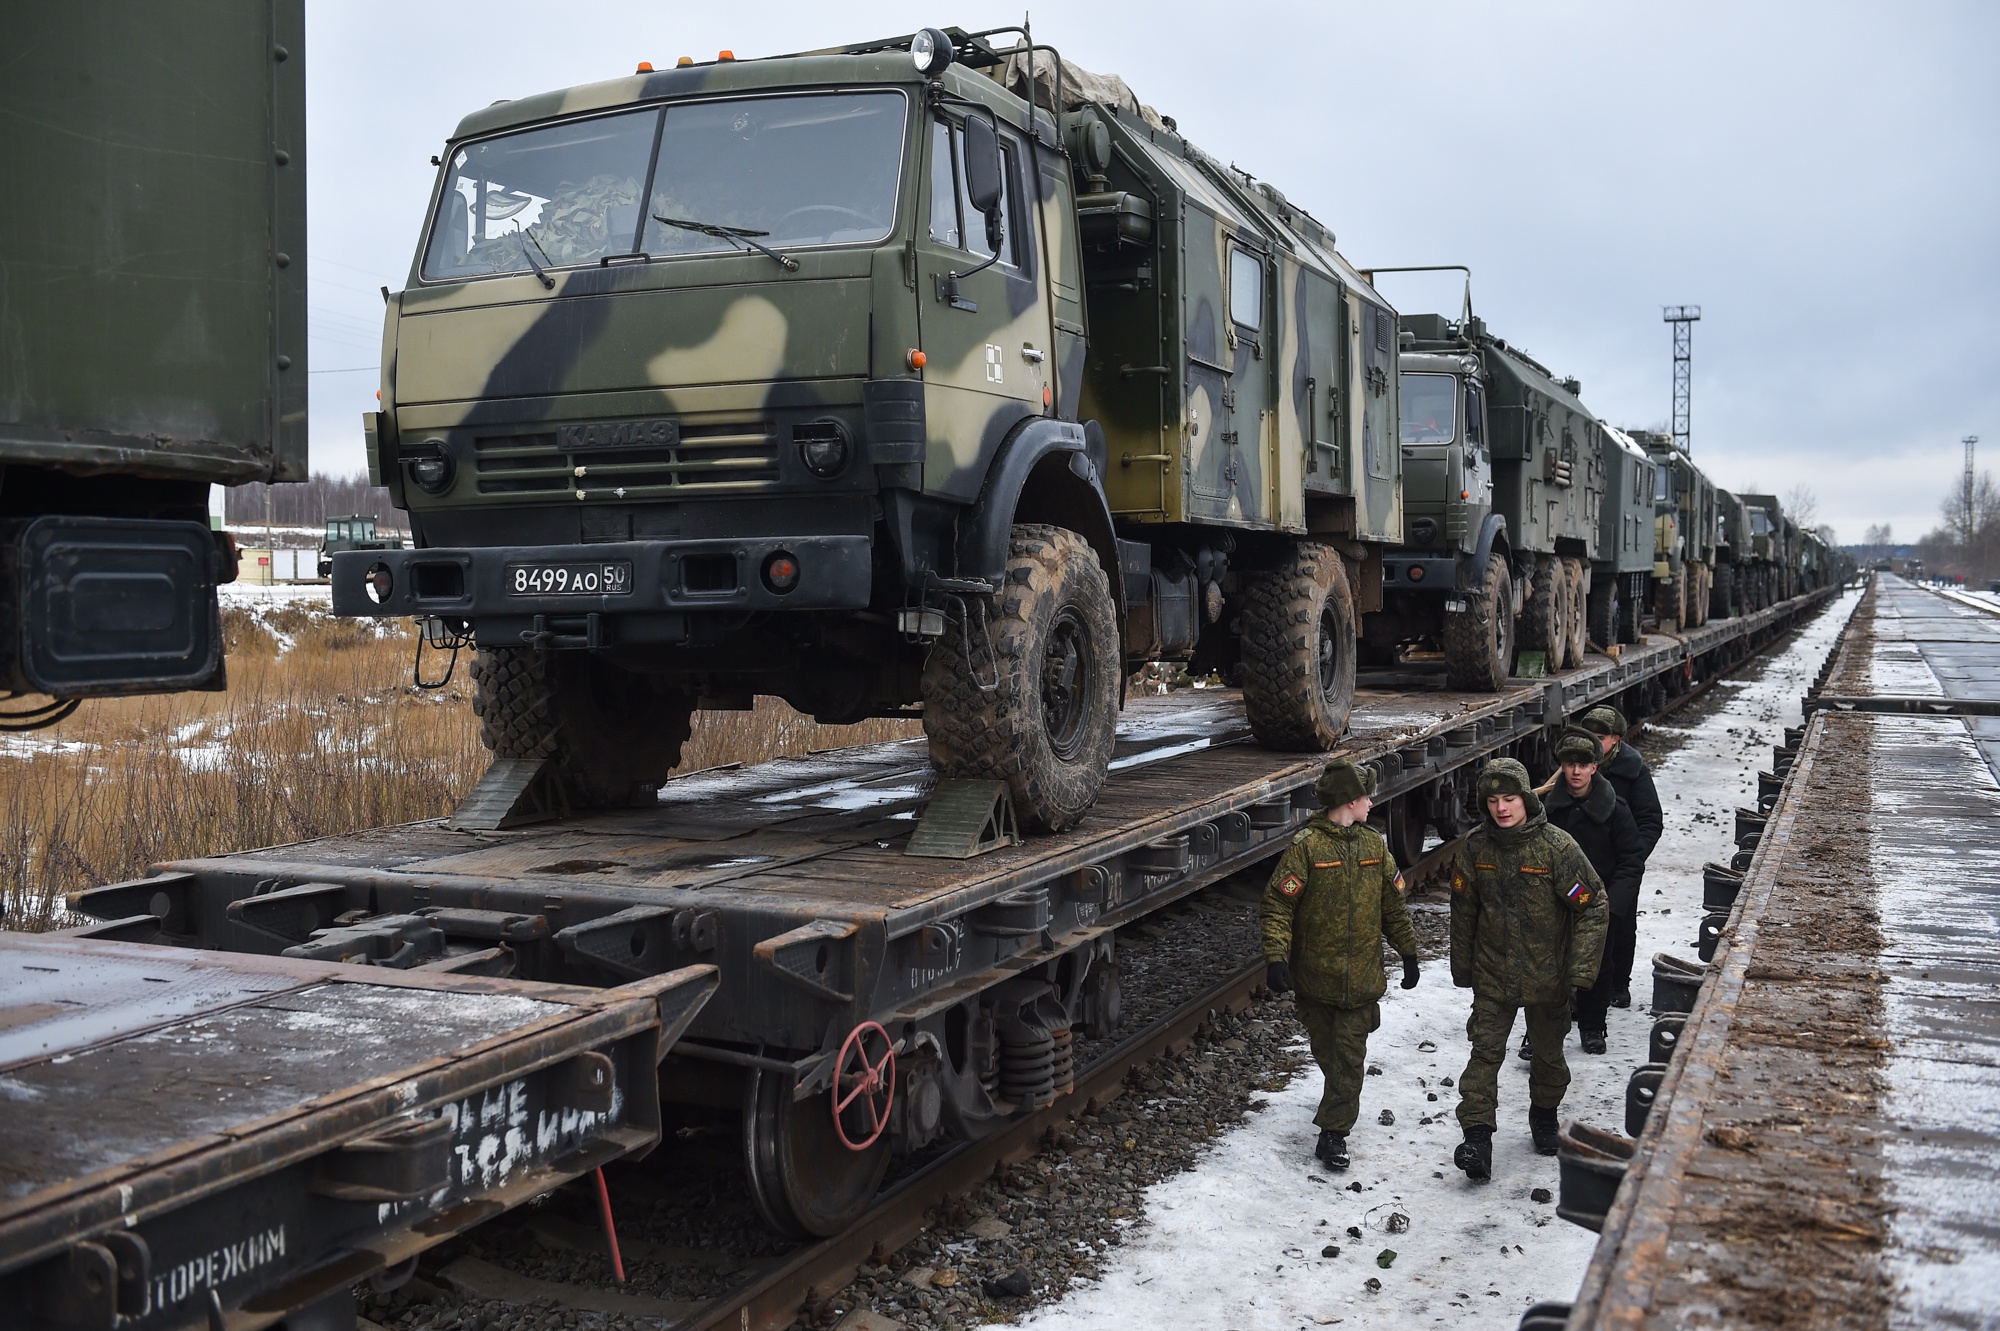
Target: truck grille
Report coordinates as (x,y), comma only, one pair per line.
(731,457)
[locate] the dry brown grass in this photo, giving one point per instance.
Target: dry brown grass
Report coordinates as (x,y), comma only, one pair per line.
(323,737)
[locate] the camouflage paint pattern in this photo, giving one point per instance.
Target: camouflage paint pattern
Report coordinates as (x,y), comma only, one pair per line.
(1275,412)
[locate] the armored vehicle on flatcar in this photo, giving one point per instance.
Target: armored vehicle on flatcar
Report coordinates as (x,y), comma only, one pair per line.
(1500,458)
(909,372)
(153,319)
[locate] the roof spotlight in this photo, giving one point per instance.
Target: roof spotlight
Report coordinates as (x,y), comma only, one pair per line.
(930,49)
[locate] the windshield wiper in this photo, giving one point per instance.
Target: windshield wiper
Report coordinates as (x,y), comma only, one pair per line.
(736,233)
(547,281)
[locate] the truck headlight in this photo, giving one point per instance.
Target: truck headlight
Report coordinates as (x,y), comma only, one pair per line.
(432,468)
(823,447)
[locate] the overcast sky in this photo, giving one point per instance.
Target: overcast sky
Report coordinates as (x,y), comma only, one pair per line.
(1822,179)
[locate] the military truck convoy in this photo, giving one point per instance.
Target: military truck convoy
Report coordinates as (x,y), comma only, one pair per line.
(152,315)
(927,377)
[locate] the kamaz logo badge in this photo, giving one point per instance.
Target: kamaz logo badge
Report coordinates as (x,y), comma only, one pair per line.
(994,372)
(617,434)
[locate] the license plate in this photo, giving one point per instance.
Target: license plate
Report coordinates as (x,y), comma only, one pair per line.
(611,579)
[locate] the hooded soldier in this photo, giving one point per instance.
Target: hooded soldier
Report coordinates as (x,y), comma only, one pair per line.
(1527,928)
(1334,896)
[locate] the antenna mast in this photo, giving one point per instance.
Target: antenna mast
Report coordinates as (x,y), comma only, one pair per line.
(1683,318)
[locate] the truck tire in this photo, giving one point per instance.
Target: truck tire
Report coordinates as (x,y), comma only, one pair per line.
(1605,608)
(1299,651)
(1046,722)
(612,732)
(1632,613)
(1669,601)
(1479,640)
(1576,633)
(1721,601)
(1540,628)
(1698,588)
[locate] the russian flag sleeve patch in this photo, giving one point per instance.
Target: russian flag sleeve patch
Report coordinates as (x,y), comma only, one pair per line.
(1578,894)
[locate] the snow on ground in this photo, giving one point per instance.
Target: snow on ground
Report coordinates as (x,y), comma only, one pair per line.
(1238,1241)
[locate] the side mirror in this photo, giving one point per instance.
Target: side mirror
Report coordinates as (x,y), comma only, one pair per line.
(982,167)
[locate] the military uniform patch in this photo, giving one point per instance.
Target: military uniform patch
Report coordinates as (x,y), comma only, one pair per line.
(1369,864)
(1329,864)
(1490,868)
(1579,894)
(1290,884)
(1536,871)
(1458,880)
(1399,884)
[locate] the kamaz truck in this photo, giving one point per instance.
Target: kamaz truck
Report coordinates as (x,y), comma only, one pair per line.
(1504,482)
(1623,567)
(919,373)
(1767,550)
(1684,534)
(1732,556)
(152,331)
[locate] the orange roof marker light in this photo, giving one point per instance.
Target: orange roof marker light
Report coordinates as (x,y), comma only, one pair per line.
(684,62)
(645,67)
(725,55)
(918,359)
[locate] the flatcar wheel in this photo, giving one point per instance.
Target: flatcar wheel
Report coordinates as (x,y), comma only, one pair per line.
(1404,823)
(805,1182)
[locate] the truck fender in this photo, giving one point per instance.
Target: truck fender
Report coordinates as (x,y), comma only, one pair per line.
(1493,529)
(1045,471)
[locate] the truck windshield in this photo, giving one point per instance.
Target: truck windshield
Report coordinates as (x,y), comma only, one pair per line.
(796,171)
(1430,408)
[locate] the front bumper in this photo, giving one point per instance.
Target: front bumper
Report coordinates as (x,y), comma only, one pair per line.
(668,578)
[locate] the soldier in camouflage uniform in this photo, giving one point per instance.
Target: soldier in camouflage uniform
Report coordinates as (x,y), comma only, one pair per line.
(1527,928)
(1334,895)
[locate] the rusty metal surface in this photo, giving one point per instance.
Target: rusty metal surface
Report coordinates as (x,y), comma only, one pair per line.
(1822,1153)
(200,1104)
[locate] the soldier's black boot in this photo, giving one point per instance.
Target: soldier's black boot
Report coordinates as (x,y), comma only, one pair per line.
(1623,998)
(1545,1127)
(1593,1041)
(1475,1154)
(1332,1149)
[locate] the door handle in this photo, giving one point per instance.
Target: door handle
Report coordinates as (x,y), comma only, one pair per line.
(1032,356)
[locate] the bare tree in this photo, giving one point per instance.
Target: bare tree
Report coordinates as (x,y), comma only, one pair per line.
(1802,506)
(1826,533)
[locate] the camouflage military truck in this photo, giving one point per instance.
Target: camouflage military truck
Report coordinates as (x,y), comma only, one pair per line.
(1622,570)
(1767,551)
(1683,533)
(1504,481)
(1732,555)
(152,331)
(863,379)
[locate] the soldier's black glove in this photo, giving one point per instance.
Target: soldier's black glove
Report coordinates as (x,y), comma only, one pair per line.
(1410,972)
(1278,978)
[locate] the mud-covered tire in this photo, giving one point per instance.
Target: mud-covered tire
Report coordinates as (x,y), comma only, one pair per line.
(1632,614)
(1299,651)
(1479,640)
(1047,726)
(1670,601)
(613,733)
(1603,610)
(1576,636)
(1721,601)
(1539,626)
(1697,595)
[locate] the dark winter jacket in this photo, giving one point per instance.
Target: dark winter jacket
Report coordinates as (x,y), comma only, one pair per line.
(1527,914)
(1634,782)
(1602,824)
(1332,898)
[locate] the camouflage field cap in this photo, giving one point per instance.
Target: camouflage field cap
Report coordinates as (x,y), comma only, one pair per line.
(1578,746)
(1605,720)
(1343,783)
(1505,776)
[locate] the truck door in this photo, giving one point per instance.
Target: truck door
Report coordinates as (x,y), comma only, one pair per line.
(986,335)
